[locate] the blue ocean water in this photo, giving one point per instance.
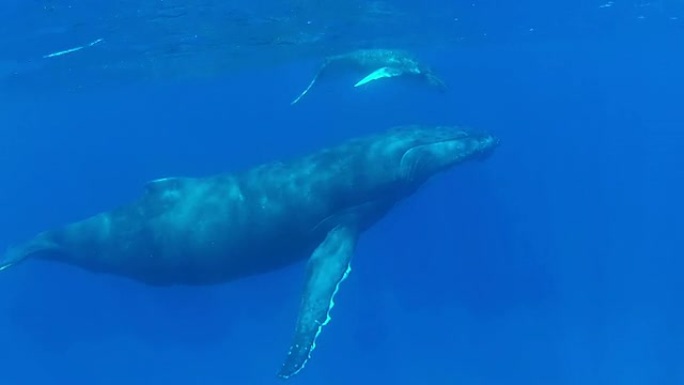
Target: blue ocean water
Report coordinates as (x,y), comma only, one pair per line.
(555,261)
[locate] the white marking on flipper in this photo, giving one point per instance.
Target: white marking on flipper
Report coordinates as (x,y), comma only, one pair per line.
(328,318)
(380,73)
(329,266)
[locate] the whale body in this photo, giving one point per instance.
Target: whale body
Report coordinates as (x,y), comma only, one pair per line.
(209,230)
(375,64)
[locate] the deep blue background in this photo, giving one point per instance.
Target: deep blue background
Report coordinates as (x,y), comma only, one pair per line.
(556,261)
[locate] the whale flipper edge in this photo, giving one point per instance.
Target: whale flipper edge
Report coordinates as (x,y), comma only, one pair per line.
(380,73)
(329,265)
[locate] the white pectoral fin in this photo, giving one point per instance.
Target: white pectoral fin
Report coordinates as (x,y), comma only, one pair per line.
(380,73)
(328,266)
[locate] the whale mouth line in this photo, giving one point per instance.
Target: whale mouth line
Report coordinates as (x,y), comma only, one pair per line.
(409,165)
(460,135)
(475,145)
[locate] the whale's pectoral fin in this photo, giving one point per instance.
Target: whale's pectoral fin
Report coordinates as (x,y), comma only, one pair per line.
(380,73)
(328,266)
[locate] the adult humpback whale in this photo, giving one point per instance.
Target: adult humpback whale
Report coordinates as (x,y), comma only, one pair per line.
(383,63)
(208,230)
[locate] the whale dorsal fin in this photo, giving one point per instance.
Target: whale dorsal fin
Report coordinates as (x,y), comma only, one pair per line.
(328,266)
(380,73)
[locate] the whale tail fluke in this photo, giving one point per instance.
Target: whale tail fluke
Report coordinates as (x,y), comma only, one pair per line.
(11,256)
(313,81)
(306,90)
(17,254)
(436,82)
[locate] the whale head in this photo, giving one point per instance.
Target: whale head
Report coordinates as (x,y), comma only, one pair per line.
(419,152)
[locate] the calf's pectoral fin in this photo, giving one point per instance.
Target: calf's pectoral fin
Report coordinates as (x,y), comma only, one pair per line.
(328,266)
(380,73)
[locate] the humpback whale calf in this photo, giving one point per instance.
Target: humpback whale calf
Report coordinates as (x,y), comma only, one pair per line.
(209,230)
(382,63)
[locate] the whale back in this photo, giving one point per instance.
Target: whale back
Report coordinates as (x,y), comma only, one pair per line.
(214,229)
